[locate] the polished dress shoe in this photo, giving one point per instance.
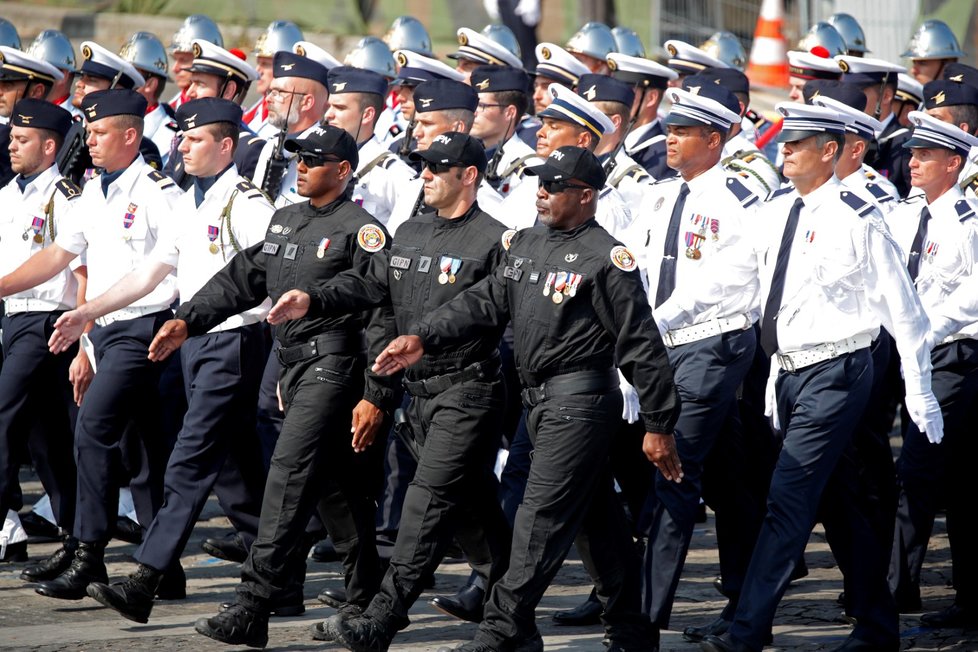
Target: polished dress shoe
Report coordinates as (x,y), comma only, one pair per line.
(133,597)
(953,617)
(328,630)
(284,604)
(239,625)
(128,530)
(88,566)
(173,584)
(230,547)
(853,644)
(585,614)
(57,563)
(39,529)
(466,604)
(335,598)
(14,552)
(722,643)
(324,552)
(718,627)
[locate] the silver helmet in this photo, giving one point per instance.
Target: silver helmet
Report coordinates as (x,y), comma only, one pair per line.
(933,40)
(370,53)
(593,39)
(628,42)
(146,53)
(851,31)
(824,35)
(503,36)
(407,33)
(8,34)
(279,35)
(55,48)
(726,47)
(196,26)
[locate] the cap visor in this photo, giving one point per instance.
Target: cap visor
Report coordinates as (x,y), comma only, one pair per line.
(295,145)
(794,135)
(684,121)
(546,172)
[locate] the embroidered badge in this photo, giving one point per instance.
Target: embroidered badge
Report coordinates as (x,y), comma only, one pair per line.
(370,238)
(623,259)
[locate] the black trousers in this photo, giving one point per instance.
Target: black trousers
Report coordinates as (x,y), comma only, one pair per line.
(932,475)
(36,405)
(569,499)
(221,373)
(819,408)
(125,390)
(454,492)
(314,460)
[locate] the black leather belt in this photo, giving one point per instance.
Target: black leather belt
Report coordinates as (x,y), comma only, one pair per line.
(435,385)
(576,382)
(332,343)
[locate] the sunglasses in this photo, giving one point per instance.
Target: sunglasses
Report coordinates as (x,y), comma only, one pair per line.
(311,160)
(438,168)
(554,187)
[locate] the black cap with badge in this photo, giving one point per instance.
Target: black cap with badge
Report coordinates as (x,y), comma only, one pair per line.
(454,148)
(207,110)
(443,95)
(114,101)
(569,162)
(324,141)
(40,114)
(289,64)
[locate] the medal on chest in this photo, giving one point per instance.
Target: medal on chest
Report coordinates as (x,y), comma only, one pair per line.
(931,250)
(128,219)
(322,247)
(449,267)
(212,234)
(37,226)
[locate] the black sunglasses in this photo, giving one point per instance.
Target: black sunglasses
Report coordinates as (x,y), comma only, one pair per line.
(554,187)
(438,168)
(311,160)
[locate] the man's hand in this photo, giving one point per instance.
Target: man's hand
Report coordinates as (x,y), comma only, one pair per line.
(168,339)
(294,304)
(401,353)
(367,419)
(67,330)
(80,374)
(661,451)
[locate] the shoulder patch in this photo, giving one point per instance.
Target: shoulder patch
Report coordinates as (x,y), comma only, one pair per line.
(161,179)
(741,192)
(853,201)
(779,192)
(507,238)
(68,188)
(246,185)
(371,238)
(964,209)
(623,259)
(881,195)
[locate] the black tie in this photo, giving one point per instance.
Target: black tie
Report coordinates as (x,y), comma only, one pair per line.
(913,265)
(769,327)
(667,268)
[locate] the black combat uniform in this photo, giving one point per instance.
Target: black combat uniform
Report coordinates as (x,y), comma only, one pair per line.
(577,314)
(457,406)
(322,379)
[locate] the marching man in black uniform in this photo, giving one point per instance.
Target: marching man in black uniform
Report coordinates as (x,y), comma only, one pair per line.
(457,394)
(322,383)
(578,309)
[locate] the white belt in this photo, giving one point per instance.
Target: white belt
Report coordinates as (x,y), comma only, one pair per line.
(954,338)
(15,305)
(698,332)
(128,313)
(795,360)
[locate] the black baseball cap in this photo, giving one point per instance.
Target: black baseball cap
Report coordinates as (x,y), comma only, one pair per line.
(454,148)
(325,140)
(569,162)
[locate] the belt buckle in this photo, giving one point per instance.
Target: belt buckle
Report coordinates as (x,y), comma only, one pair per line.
(786,363)
(747,323)
(668,341)
(833,351)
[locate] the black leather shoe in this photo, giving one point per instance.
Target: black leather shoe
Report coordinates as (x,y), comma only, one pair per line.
(132,598)
(953,617)
(533,643)
(328,630)
(853,644)
(236,626)
(716,628)
(39,529)
(324,552)
(286,604)
(87,567)
(173,584)
(230,547)
(465,605)
(586,614)
(718,585)
(363,633)
(14,552)
(57,563)
(723,643)
(335,598)
(128,530)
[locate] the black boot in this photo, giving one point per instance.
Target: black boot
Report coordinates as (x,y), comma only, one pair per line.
(54,565)
(230,547)
(364,634)
(88,566)
(132,597)
(466,604)
(334,598)
(173,583)
(586,614)
(328,630)
(238,625)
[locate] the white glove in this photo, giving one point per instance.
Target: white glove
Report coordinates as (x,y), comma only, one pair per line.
(925,412)
(771,400)
(630,410)
(492,8)
(529,11)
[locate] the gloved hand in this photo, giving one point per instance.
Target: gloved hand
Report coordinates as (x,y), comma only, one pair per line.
(771,399)
(630,410)
(529,11)
(925,412)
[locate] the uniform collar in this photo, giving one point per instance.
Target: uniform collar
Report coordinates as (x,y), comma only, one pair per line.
(707,182)
(38,182)
(23,182)
(944,205)
(736,144)
(827,192)
(122,180)
(461,220)
(571,234)
(203,184)
(368,150)
(639,137)
(331,207)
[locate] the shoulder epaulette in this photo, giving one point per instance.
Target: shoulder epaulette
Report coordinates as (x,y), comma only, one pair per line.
(256,139)
(881,195)
(163,181)
(964,209)
(853,201)
(741,192)
(604,192)
(249,189)
(869,175)
(68,188)
(172,125)
(780,191)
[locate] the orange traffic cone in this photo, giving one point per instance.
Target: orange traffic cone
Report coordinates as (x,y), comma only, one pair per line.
(768,64)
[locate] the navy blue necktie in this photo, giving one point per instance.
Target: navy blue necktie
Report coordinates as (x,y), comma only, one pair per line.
(769,325)
(667,268)
(913,265)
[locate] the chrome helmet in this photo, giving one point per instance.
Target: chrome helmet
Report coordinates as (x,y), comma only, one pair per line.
(196,26)
(593,39)
(370,53)
(55,48)
(146,53)
(278,36)
(627,42)
(8,34)
(726,47)
(933,40)
(824,35)
(503,36)
(407,33)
